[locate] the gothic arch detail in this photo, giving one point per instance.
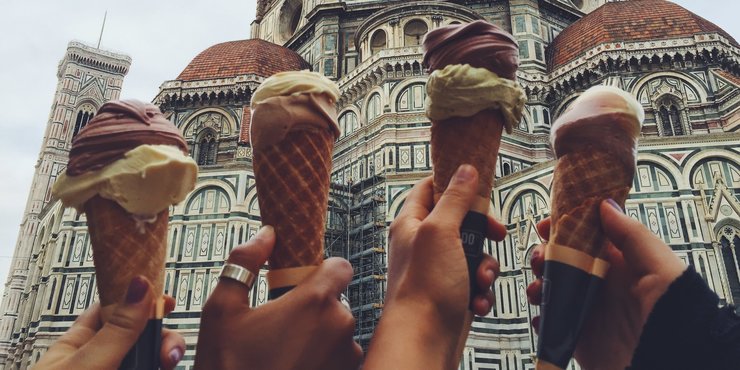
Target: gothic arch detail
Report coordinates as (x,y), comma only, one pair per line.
(209,200)
(374,107)
(729,245)
(704,172)
(652,177)
(671,116)
(348,122)
(411,98)
(205,150)
(85,113)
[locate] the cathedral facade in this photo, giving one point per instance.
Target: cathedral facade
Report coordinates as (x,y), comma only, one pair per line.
(684,70)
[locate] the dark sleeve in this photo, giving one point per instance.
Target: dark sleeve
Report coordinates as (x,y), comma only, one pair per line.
(687,330)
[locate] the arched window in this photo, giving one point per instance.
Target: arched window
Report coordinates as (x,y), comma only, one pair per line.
(730,243)
(414,32)
(206,149)
(546,116)
(378,42)
(412,98)
(348,123)
(507,169)
(670,119)
(85,113)
(373,107)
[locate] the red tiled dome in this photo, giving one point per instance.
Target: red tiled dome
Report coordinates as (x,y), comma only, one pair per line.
(242,57)
(626,21)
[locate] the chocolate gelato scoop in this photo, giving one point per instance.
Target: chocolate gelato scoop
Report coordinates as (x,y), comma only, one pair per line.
(479,44)
(119,127)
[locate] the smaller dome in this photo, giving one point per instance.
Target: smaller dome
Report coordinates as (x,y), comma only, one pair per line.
(629,21)
(234,58)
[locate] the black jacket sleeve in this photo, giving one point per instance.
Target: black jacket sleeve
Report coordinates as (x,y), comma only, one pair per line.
(688,330)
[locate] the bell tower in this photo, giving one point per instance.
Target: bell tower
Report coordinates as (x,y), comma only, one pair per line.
(87,78)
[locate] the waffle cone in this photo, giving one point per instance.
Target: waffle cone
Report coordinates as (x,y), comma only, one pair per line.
(293,190)
(581,181)
(467,140)
(124,247)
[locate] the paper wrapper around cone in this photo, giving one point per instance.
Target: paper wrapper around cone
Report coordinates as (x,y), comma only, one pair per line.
(467,140)
(292,188)
(124,247)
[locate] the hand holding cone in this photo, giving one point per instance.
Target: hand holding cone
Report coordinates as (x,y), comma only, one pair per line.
(595,142)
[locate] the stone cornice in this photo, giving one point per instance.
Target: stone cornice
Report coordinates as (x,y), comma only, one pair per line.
(690,140)
(178,89)
(368,73)
(625,51)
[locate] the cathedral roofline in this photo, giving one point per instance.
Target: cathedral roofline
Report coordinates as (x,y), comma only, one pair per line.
(634,22)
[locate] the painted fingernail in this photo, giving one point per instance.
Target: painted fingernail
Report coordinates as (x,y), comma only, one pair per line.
(176,355)
(536,323)
(614,204)
(491,275)
(136,290)
(464,174)
(535,256)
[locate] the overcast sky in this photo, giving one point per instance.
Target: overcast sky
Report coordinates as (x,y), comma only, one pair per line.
(161,36)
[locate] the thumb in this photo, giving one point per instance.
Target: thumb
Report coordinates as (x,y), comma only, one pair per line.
(109,346)
(641,248)
(457,198)
(327,282)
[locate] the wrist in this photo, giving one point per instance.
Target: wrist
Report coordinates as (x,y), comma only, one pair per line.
(413,333)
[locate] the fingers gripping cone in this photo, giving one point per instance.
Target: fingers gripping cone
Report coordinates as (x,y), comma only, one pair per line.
(293,132)
(472,97)
(595,141)
(126,168)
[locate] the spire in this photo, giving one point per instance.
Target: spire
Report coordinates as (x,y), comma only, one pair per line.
(102,29)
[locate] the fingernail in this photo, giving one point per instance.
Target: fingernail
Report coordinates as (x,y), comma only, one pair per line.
(491,275)
(136,290)
(176,355)
(614,204)
(464,174)
(263,231)
(535,256)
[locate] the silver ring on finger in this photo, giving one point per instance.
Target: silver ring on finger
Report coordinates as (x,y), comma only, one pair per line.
(238,274)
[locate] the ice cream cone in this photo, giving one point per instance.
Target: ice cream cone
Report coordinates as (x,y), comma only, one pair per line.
(292,188)
(578,188)
(126,168)
(473,140)
(124,247)
(595,142)
(294,126)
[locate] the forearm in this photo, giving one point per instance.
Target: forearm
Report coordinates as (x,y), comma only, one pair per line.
(413,336)
(687,330)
